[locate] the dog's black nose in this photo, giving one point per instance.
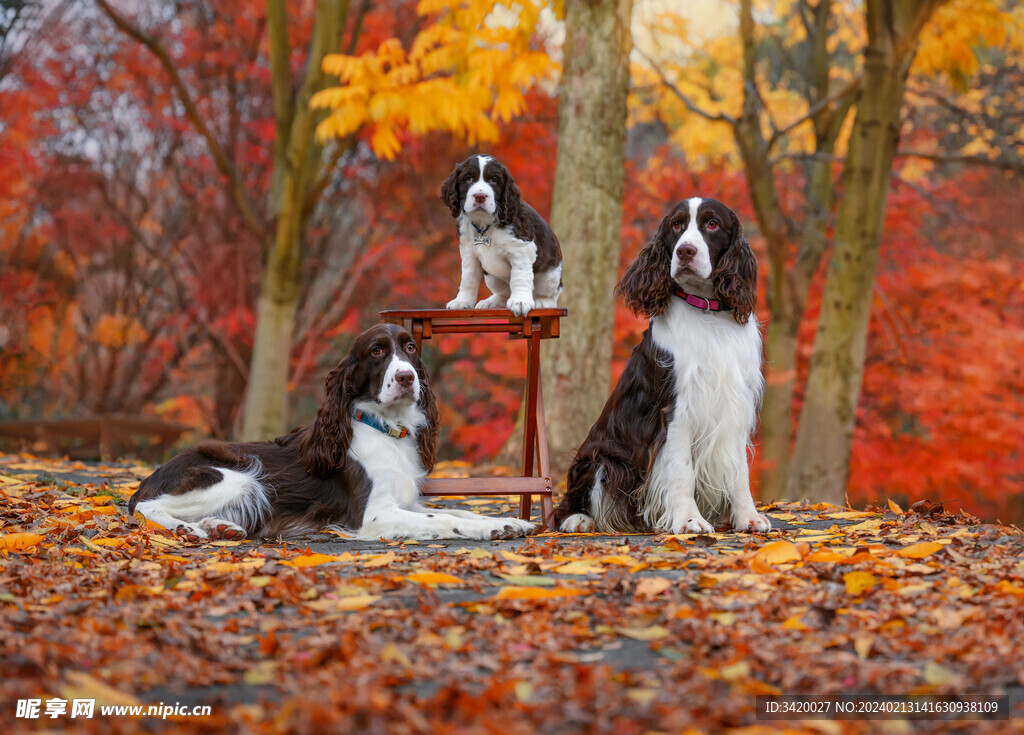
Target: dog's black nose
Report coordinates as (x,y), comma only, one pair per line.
(480,198)
(686,253)
(405,378)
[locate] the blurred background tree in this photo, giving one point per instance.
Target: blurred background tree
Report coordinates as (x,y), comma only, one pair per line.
(137,244)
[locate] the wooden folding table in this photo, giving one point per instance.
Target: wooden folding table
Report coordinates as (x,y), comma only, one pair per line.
(537,325)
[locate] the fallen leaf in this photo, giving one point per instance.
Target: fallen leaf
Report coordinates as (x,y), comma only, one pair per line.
(919,550)
(19,541)
(778,552)
(650,633)
(433,578)
(343,604)
(859,582)
(537,593)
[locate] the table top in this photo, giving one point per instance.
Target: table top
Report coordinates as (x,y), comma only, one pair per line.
(469,314)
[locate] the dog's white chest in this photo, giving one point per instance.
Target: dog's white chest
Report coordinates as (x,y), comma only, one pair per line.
(717,368)
(393,465)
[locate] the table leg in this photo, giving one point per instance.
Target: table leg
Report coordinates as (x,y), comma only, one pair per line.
(530,422)
(547,508)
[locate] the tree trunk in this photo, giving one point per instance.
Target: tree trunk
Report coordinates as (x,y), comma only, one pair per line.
(586,214)
(821,458)
(295,155)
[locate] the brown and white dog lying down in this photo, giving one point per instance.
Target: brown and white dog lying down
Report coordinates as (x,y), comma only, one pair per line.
(359,467)
(677,425)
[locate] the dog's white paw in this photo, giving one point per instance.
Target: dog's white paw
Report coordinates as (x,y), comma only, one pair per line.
(577,523)
(221,529)
(695,524)
(458,303)
(545,303)
(753,522)
(520,306)
(491,302)
(494,530)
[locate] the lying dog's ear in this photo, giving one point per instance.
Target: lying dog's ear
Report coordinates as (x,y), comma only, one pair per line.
(646,286)
(735,276)
(324,448)
(450,192)
(429,437)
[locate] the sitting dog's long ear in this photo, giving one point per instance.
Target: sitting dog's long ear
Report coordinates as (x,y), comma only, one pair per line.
(511,199)
(450,192)
(646,287)
(429,437)
(325,446)
(735,276)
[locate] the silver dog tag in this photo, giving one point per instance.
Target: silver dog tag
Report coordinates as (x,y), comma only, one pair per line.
(481,239)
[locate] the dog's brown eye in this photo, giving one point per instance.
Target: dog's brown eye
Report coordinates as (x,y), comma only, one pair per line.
(377,351)
(712,225)
(410,348)
(493,179)
(677,226)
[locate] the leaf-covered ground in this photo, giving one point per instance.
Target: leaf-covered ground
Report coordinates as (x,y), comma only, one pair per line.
(555,633)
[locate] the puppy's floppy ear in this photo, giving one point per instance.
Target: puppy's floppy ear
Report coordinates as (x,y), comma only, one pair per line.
(450,192)
(429,437)
(511,199)
(324,448)
(735,276)
(646,287)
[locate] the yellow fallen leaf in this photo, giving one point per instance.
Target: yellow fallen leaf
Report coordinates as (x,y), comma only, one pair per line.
(576,567)
(650,633)
(343,604)
(393,654)
(382,560)
(738,670)
(794,622)
(650,587)
(862,645)
(642,695)
(723,618)
(895,508)
(537,593)
(112,542)
(433,578)
(19,541)
(919,550)
(865,526)
(859,582)
(847,515)
(778,552)
(935,674)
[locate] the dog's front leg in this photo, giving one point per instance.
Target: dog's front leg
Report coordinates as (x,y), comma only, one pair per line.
(741,504)
(470,284)
(520,302)
(671,487)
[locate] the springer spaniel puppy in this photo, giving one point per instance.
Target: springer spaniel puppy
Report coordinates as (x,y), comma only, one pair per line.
(359,467)
(677,425)
(502,238)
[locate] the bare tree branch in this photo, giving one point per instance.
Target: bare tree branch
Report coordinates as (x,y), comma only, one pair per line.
(224,165)
(838,96)
(719,117)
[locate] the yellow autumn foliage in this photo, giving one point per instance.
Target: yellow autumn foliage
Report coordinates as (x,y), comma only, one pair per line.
(463,73)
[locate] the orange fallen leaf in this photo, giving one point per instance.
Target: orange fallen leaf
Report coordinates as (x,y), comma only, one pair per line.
(113,542)
(433,578)
(919,550)
(19,541)
(309,560)
(825,556)
(537,593)
(343,604)
(778,552)
(895,508)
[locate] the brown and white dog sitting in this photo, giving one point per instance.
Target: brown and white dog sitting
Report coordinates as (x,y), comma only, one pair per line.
(502,238)
(359,467)
(677,425)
